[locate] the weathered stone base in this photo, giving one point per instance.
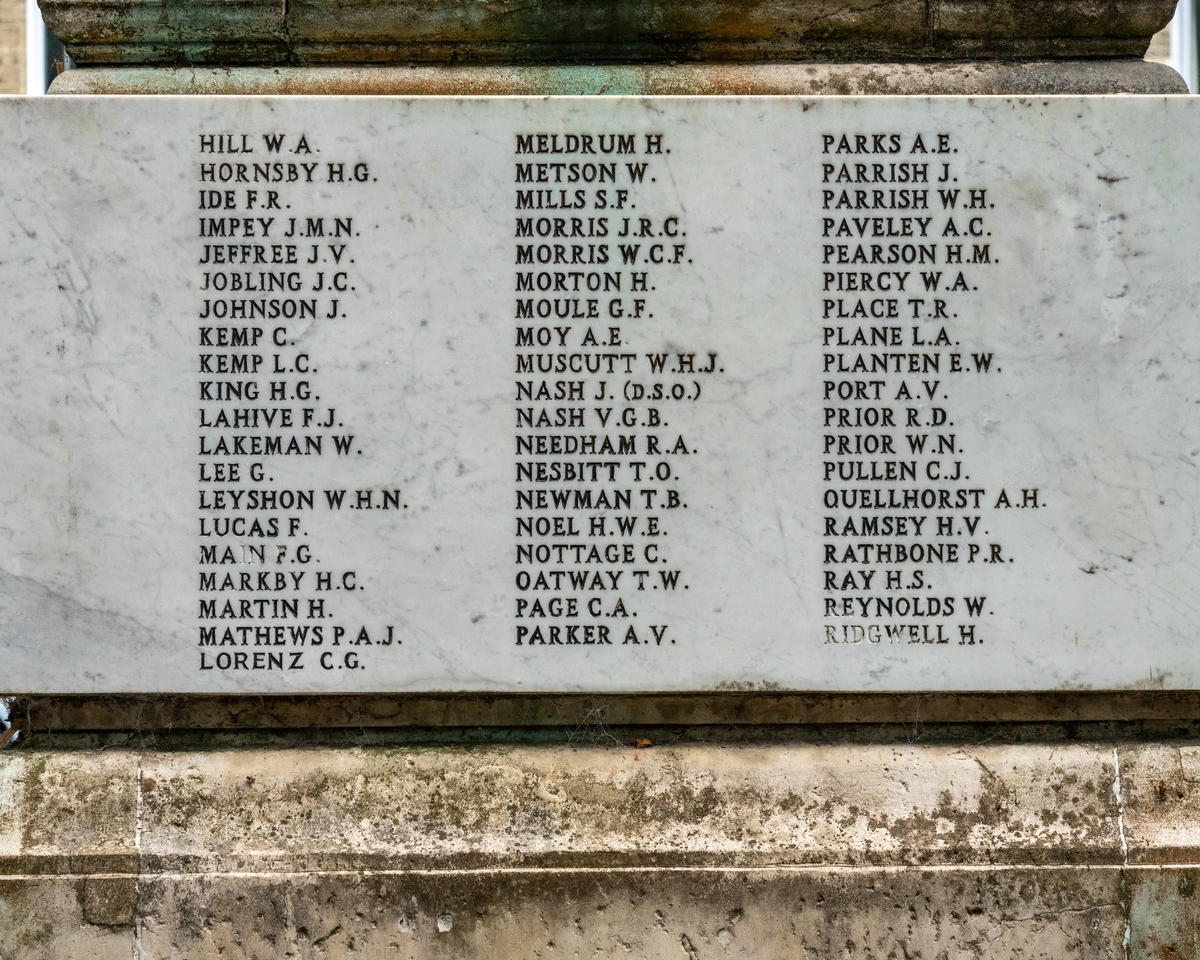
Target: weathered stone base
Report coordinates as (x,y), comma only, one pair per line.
(1008,77)
(816,914)
(687,850)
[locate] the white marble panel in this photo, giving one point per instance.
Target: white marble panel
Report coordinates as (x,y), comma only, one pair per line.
(598,394)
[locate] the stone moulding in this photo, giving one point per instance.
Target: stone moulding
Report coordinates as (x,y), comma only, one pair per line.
(1002,77)
(576,714)
(607,31)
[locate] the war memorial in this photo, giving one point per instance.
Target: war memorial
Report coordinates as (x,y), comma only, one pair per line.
(624,479)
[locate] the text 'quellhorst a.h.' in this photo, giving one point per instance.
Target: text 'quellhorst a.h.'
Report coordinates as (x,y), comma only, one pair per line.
(342,395)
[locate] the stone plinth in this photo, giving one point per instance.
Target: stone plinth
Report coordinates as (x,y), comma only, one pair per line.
(743,849)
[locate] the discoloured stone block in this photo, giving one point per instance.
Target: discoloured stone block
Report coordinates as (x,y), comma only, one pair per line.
(73,816)
(1164,913)
(814,915)
(110,901)
(42,918)
(744,805)
(1162,804)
